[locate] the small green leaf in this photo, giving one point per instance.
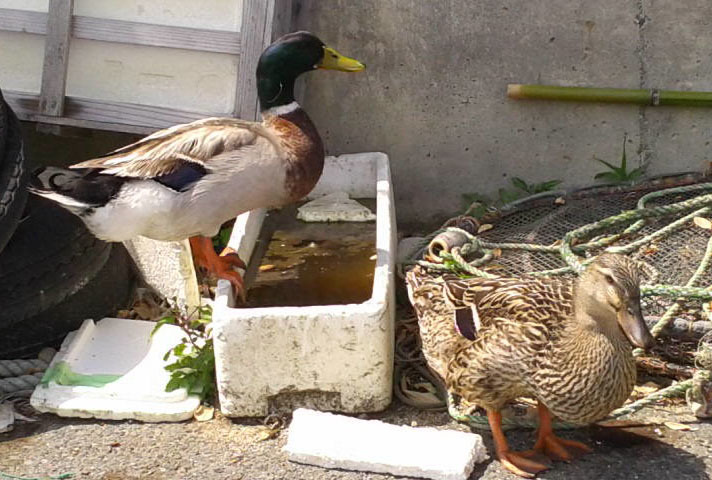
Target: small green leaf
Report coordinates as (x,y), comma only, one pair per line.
(608,176)
(174,384)
(636,173)
(194,366)
(546,186)
(520,184)
(197,388)
(609,165)
(507,196)
(170,320)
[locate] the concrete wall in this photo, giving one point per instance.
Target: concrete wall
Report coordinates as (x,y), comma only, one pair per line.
(433,95)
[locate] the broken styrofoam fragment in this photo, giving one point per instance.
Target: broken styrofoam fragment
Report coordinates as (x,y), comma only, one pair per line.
(7,417)
(114,369)
(334,207)
(337,441)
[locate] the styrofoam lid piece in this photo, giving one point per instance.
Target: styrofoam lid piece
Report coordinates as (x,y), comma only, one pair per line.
(114,370)
(334,207)
(338,441)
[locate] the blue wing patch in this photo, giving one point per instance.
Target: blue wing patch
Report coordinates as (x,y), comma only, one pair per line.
(185,175)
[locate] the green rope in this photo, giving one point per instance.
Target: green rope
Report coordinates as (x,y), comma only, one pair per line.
(695,293)
(58,477)
(666,230)
(468,267)
(699,272)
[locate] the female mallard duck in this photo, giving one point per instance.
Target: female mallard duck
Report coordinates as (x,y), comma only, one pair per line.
(185,181)
(565,342)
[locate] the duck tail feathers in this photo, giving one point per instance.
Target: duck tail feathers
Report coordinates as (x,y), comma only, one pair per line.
(58,184)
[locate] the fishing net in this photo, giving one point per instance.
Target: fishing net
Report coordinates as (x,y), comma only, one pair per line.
(663,227)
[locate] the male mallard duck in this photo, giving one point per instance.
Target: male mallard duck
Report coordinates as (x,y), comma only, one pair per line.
(565,342)
(187,180)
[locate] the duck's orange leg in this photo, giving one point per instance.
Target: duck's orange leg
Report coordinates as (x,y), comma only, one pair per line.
(219,265)
(512,461)
(552,446)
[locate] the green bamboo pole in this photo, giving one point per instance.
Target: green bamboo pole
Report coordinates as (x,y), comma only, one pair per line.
(651,97)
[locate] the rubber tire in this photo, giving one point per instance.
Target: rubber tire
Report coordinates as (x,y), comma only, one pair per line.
(13,175)
(4,108)
(50,257)
(108,291)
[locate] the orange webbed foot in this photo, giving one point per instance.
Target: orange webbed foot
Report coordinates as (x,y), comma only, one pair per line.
(561,449)
(512,461)
(554,447)
(222,266)
(519,464)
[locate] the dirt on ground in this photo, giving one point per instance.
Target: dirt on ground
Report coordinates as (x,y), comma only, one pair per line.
(241,449)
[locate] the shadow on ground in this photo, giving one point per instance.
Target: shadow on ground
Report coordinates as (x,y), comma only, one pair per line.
(237,449)
(619,453)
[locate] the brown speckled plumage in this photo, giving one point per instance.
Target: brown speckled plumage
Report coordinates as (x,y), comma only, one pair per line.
(539,337)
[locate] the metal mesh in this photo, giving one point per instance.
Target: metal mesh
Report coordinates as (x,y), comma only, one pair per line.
(674,257)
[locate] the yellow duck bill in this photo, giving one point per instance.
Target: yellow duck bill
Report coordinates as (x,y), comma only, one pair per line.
(333,60)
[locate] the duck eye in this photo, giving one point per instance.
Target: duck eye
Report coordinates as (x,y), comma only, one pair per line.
(610,280)
(334,56)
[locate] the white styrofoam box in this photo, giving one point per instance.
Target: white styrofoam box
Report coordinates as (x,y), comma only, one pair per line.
(116,346)
(341,350)
(337,441)
(167,267)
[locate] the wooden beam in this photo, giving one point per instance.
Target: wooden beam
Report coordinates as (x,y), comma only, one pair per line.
(103,115)
(121,31)
(156,35)
(23,21)
(254,22)
(54,71)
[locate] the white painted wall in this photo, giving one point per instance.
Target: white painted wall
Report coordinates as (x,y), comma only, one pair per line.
(183,79)
(33,5)
(21,57)
(210,14)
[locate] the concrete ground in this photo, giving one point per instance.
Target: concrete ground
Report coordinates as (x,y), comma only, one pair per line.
(236,449)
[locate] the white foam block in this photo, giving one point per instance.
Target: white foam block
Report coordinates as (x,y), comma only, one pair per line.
(334,207)
(125,349)
(337,441)
(7,417)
